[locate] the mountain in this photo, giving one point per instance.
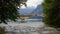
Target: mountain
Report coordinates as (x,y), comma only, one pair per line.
(27,10)
(31,10)
(38,10)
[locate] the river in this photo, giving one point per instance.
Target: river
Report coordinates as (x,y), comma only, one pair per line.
(31,26)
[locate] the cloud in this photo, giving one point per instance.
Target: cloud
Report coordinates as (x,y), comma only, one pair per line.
(34,2)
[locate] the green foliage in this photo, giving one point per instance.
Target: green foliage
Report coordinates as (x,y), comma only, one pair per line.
(8,9)
(51,10)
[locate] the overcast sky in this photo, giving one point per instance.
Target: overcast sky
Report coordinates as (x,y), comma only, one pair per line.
(32,3)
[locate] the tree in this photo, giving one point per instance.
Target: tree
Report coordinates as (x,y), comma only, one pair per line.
(8,9)
(51,10)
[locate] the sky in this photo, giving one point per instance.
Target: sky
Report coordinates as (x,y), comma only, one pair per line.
(32,3)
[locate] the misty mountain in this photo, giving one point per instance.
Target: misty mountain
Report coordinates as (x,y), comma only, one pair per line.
(31,10)
(27,10)
(38,10)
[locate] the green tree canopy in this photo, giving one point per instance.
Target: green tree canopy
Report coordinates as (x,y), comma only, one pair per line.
(51,10)
(8,9)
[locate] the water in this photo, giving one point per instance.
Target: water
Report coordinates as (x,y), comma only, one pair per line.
(30,20)
(22,30)
(32,26)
